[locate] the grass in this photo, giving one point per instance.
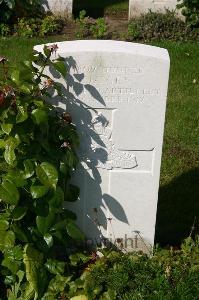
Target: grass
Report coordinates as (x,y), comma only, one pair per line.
(179,190)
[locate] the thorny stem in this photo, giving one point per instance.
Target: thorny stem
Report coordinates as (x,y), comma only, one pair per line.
(45,64)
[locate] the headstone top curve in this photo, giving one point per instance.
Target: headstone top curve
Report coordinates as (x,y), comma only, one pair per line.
(109,46)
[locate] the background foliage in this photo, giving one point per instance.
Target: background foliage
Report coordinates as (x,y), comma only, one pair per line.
(190,9)
(159,26)
(13,9)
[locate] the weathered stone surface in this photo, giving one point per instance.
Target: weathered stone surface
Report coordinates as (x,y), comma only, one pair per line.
(139,7)
(116,93)
(59,7)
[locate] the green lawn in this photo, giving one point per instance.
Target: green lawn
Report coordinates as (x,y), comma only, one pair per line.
(179,190)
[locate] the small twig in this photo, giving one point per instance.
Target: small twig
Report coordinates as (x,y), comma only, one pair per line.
(192,227)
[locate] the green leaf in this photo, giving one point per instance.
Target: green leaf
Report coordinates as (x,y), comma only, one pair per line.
(48,239)
(16,253)
(41,207)
(40,116)
(74,232)
(9,193)
(29,168)
(55,266)
(20,275)
(47,174)
(18,213)
(9,155)
(28,64)
(45,223)
(33,260)
(10,145)
(80,297)
(60,66)
(39,103)
(19,233)
(58,226)
(72,193)
(15,76)
(4,225)
(12,265)
(29,292)
(78,258)
(7,240)
(22,114)
(6,127)
(2,144)
(12,259)
(16,177)
(57,199)
(10,279)
(57,285)
(38,191)
(26,88)
(47,51)
(71,159)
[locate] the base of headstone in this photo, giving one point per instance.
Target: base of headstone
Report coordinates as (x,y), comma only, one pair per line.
(140,7)
(61,8)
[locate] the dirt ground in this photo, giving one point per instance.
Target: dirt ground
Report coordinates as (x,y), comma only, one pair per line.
(115,24)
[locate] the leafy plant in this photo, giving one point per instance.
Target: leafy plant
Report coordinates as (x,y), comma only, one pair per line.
(30,27)
(13,9)
(83,25)
(87,26)
(99,29)
(168,274)
(27,27)
(190,9)
(38,154)
(157,26)
(4,30)
(49,25)
(133,30)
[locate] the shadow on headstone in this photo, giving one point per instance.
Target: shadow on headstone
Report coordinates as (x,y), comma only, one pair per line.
(93,151)
(178,209)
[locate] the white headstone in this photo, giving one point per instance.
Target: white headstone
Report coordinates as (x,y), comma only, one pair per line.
(61,8)
(139,7)
(117,96)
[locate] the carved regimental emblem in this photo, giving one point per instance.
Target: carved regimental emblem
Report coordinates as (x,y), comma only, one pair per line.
(103,152)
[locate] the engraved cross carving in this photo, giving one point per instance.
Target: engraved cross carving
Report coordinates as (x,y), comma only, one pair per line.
(104,154)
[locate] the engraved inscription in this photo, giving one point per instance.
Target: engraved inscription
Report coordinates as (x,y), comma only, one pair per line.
(126,91)
(112,70)
(113,84)
(120,94)
(114,99)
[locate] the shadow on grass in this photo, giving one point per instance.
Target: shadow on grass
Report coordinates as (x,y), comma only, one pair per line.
(93,8)
(178,209)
